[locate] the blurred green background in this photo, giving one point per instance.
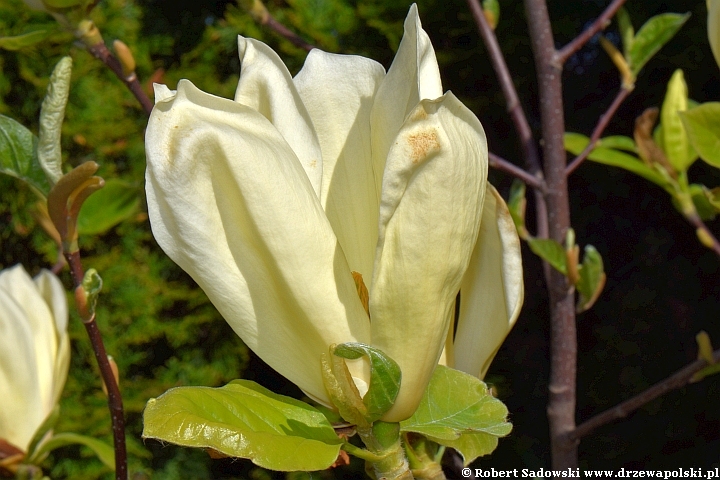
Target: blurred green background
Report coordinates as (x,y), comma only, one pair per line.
(663,286)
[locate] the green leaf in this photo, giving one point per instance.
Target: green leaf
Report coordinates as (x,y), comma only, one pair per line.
(618,142)
(491,9)
(516,205)
(576,143)
(243,419)
(47,425)
(675,141)
(385,377)
(25,40)
(627,32)
(703,200)
(458,411)
(18,157)
(61,3)
(592,279)
(550,251)
(702,124)
(652,36)
(115,202)
(104,452)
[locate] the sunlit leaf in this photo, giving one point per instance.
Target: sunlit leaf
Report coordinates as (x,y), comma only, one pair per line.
(702,124)
(107,207)
(458,411)
(550,251)
(25,40)
(576,143)
(243,419)
(18,156)
(674,137)
(385,377)
(592,279)
(104,452)
(651,37)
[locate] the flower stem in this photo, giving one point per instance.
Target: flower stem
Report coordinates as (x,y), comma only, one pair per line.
(383,439)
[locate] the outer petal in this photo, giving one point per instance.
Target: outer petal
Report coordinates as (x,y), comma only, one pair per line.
(20,286)
(492,290)
(21,380)
(53,293)
(267,87)
(432,197)
(413,76)
(229,202)
(338,92)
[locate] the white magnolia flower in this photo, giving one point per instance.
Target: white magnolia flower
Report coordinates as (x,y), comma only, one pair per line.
(270,201)
(34,351)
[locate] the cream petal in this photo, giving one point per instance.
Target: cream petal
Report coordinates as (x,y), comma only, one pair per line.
(53,292)
(492,291)
(432,197)
(20,286)
(230,203)
(413,76)
(338,92)
(266,86)
(22,409)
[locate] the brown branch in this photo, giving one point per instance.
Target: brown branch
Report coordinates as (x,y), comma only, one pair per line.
(599,24)
(500,163)
(260,13)
(101,52)
(599,129)
(677,380)
(527,142)
(563,338)
(115,403)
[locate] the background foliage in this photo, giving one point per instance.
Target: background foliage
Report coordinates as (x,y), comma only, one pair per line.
(662,284)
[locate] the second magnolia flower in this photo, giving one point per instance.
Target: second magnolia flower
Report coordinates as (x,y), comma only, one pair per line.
(272,200)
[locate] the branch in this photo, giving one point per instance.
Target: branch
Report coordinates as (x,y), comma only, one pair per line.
(101,52)
(679,379)
(115,403)
(563,337)
(527,142)
(262,16)
(599,24)
(500,163)
(599,129)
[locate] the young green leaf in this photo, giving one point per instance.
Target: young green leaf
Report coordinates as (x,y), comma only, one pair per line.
(18,156)
(385,377)
(652,36)
(516,205)
(25,40)
(674,137)
(576,143)
(592,279)
(702,124)
(104,452)
(458,411)
(627,32)
(618,142)
(107,207)
(550,251)
(243,419)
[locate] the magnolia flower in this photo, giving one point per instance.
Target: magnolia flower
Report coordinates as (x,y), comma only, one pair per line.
(34,351)
(273,200)
(713,26)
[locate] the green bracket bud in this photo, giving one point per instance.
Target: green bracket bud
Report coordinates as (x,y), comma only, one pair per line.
(92,285)
(51,118)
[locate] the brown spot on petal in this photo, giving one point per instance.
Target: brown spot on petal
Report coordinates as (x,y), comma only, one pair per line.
(418,114)
(313,163)
(422,144)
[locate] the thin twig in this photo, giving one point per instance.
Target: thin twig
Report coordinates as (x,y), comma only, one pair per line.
(101,52)
(115,403)
(677,380)
(704,233)
(504,165)
(259,12)
(527,142)
(599,129)
(599,24)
